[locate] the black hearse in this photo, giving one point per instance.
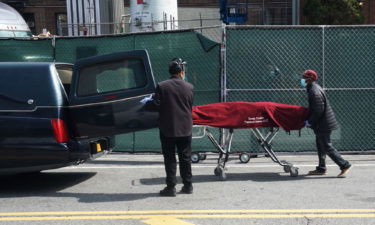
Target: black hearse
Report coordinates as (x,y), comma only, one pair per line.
(56,114)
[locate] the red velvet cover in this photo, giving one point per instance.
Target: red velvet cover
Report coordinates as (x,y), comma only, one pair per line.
(250,115)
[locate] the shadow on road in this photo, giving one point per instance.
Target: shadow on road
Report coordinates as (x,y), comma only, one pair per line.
(256,177)
(44,183)
(106,197)
(124,163)
(52,184)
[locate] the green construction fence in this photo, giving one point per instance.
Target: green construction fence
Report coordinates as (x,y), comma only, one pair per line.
(260,63)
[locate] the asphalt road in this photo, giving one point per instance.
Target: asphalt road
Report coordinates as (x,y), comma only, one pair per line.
(123,189)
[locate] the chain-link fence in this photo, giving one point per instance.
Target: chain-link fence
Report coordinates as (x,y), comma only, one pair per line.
(203,71)
(265,63)
(255,63)
(196,47)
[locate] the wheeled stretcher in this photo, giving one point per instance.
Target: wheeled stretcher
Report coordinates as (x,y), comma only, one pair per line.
(247,115)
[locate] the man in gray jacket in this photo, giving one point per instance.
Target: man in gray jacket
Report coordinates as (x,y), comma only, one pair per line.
(174,100)
(322,120)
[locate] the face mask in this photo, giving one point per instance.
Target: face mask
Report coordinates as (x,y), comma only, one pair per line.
(185,77)
(303,83)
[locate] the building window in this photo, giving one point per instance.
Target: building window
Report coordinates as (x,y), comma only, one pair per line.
(61,24)
(30,20)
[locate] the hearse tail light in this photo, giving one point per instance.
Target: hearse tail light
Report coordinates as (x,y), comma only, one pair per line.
(60,130)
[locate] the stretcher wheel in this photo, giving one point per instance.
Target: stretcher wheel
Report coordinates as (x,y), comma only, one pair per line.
(293,171)
(202,156)
(194,157)
(217,171)
(287,169)
(223,175)
(286,166)
(244,157)
(220,172)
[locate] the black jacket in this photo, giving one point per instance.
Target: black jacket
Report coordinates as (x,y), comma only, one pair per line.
(174,101)
(321,116)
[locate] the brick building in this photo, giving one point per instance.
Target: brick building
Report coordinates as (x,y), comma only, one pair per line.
(368,9)
(52,14)
(41,14)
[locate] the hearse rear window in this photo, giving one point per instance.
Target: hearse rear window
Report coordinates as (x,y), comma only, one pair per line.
(111,76)
(65,74)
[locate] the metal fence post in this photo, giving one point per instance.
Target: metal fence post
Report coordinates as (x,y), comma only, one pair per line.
(54,47)
(323,57)
(223,78)
(223,65)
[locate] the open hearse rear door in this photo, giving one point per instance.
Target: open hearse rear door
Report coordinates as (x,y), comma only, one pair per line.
(106,91)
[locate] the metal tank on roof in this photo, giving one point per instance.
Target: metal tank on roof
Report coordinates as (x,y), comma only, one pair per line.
(153,15)
(12,23)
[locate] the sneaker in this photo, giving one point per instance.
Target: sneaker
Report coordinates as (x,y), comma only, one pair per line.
(344,172)
(187,189)
(168,191)
(317,172)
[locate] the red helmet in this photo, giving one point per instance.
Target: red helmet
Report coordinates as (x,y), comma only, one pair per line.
(310,74)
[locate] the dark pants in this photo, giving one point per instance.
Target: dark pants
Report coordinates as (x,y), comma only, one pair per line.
(183,145)
(324,146)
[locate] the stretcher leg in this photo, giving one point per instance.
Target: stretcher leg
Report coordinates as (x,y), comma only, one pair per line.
(219,170)
(265,142)
(224,150)
(225,146)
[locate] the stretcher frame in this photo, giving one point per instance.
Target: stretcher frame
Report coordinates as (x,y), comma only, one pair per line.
(224,148)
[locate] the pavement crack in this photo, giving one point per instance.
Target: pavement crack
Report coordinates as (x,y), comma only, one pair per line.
(308,220)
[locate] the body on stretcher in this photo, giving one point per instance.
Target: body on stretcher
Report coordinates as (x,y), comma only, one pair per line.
(247,115)
(224,148)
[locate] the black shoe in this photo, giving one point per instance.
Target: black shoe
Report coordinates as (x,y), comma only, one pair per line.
(168,191)
(317,172)
(187,189)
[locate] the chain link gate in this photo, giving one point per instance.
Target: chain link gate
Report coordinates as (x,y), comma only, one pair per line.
(265,63)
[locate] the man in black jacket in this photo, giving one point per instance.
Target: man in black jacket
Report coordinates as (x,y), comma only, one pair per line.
(322,120)
(174,100)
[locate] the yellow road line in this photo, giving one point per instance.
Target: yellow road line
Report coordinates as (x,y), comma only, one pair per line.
(164,212)
(165,220)
(186,216)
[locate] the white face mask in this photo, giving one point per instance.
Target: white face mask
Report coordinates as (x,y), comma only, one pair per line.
(303,83)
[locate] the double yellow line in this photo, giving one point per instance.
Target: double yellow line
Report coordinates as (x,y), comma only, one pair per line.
(155,217)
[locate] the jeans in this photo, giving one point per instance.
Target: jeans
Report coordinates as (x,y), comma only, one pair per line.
(324,146)
(183,145)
